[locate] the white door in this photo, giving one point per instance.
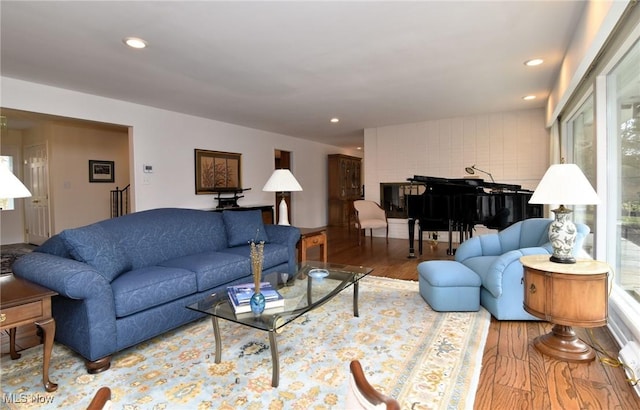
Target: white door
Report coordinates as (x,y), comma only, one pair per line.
(37,207)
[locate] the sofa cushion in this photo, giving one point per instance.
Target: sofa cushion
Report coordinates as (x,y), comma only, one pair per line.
(244,227)
(489,245)
(274,254)
(55,246)
(534,232)
(93,245)
(152,236)
(144,288)
(212,269)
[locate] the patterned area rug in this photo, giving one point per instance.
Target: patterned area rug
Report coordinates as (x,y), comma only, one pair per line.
(427,360)
(9,253)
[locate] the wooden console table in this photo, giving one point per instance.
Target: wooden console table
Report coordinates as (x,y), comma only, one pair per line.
(311,237)
(24,303)
(566,295)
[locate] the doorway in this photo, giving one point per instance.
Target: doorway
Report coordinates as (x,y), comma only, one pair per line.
(282,160)
(37,206)
(54,153)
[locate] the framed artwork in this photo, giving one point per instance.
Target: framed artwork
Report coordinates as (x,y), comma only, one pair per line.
(101,171)
(217,171)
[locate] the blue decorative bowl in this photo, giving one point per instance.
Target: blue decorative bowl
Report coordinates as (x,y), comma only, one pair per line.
(318,273)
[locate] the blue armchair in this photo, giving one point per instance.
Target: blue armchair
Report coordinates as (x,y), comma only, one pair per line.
(496,259)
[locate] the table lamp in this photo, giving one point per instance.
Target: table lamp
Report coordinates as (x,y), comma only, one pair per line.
(10,186)
(282,180)
(563,184)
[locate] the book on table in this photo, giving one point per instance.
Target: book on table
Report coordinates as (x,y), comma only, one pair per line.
(240,295)
(269,311)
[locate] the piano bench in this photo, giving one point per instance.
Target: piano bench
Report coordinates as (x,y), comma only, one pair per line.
(449,286)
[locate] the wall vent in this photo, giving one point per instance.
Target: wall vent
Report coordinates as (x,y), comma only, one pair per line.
(630,356)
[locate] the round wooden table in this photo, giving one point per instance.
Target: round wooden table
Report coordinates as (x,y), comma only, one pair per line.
(566,295)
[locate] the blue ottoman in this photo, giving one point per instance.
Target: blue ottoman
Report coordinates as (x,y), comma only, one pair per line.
(449,286)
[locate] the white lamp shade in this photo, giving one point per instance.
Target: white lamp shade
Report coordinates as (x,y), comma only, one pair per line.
(282,180)
(564,184)
(10,185)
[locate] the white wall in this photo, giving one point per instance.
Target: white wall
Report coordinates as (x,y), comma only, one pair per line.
(166,140)
(74,200)
(512,146)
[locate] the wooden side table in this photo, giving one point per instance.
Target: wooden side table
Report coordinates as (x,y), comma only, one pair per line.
(23,303)
(566,295)
(311,237)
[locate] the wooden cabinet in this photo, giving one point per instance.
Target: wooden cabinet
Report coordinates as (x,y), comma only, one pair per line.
(566,295)
(345,186)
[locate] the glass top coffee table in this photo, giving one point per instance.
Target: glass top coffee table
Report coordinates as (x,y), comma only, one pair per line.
(305,291)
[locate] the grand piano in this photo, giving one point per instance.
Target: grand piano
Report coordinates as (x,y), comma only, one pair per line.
(457,205)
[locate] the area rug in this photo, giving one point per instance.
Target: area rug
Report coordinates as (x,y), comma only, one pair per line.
(9,253)
(426,359)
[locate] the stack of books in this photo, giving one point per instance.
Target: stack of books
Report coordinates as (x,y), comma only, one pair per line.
(240,295)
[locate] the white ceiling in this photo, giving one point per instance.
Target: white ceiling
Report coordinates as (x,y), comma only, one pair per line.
(288,67)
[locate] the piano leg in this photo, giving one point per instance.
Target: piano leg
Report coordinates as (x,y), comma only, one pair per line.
(450,250)
(412,231)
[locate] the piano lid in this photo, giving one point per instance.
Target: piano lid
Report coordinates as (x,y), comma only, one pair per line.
(465,182)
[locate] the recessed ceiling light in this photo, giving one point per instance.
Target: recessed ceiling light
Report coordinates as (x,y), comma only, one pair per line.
(529,97)
(134,42)
(359,148)
(534,62)
(334,120)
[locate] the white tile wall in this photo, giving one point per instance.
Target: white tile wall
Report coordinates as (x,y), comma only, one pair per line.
(512,146)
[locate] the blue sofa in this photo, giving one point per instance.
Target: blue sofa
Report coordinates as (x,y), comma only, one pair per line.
(125,280)
(496,259)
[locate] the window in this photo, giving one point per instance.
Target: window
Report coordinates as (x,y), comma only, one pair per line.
(623,140)
(601,133)
(6,204)
(581,137)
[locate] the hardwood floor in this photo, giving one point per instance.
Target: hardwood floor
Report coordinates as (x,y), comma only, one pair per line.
(514,374)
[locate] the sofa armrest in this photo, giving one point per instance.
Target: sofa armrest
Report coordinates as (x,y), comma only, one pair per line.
(283,234)
(85,310)
(507,264)
(68,277)
(289,236)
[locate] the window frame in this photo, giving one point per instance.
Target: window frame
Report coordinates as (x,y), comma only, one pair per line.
(623,308)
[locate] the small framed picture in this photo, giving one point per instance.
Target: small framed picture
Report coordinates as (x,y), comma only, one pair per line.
(101,171)
(217,171)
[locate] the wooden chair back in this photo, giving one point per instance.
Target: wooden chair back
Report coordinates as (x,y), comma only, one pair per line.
(362,395)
